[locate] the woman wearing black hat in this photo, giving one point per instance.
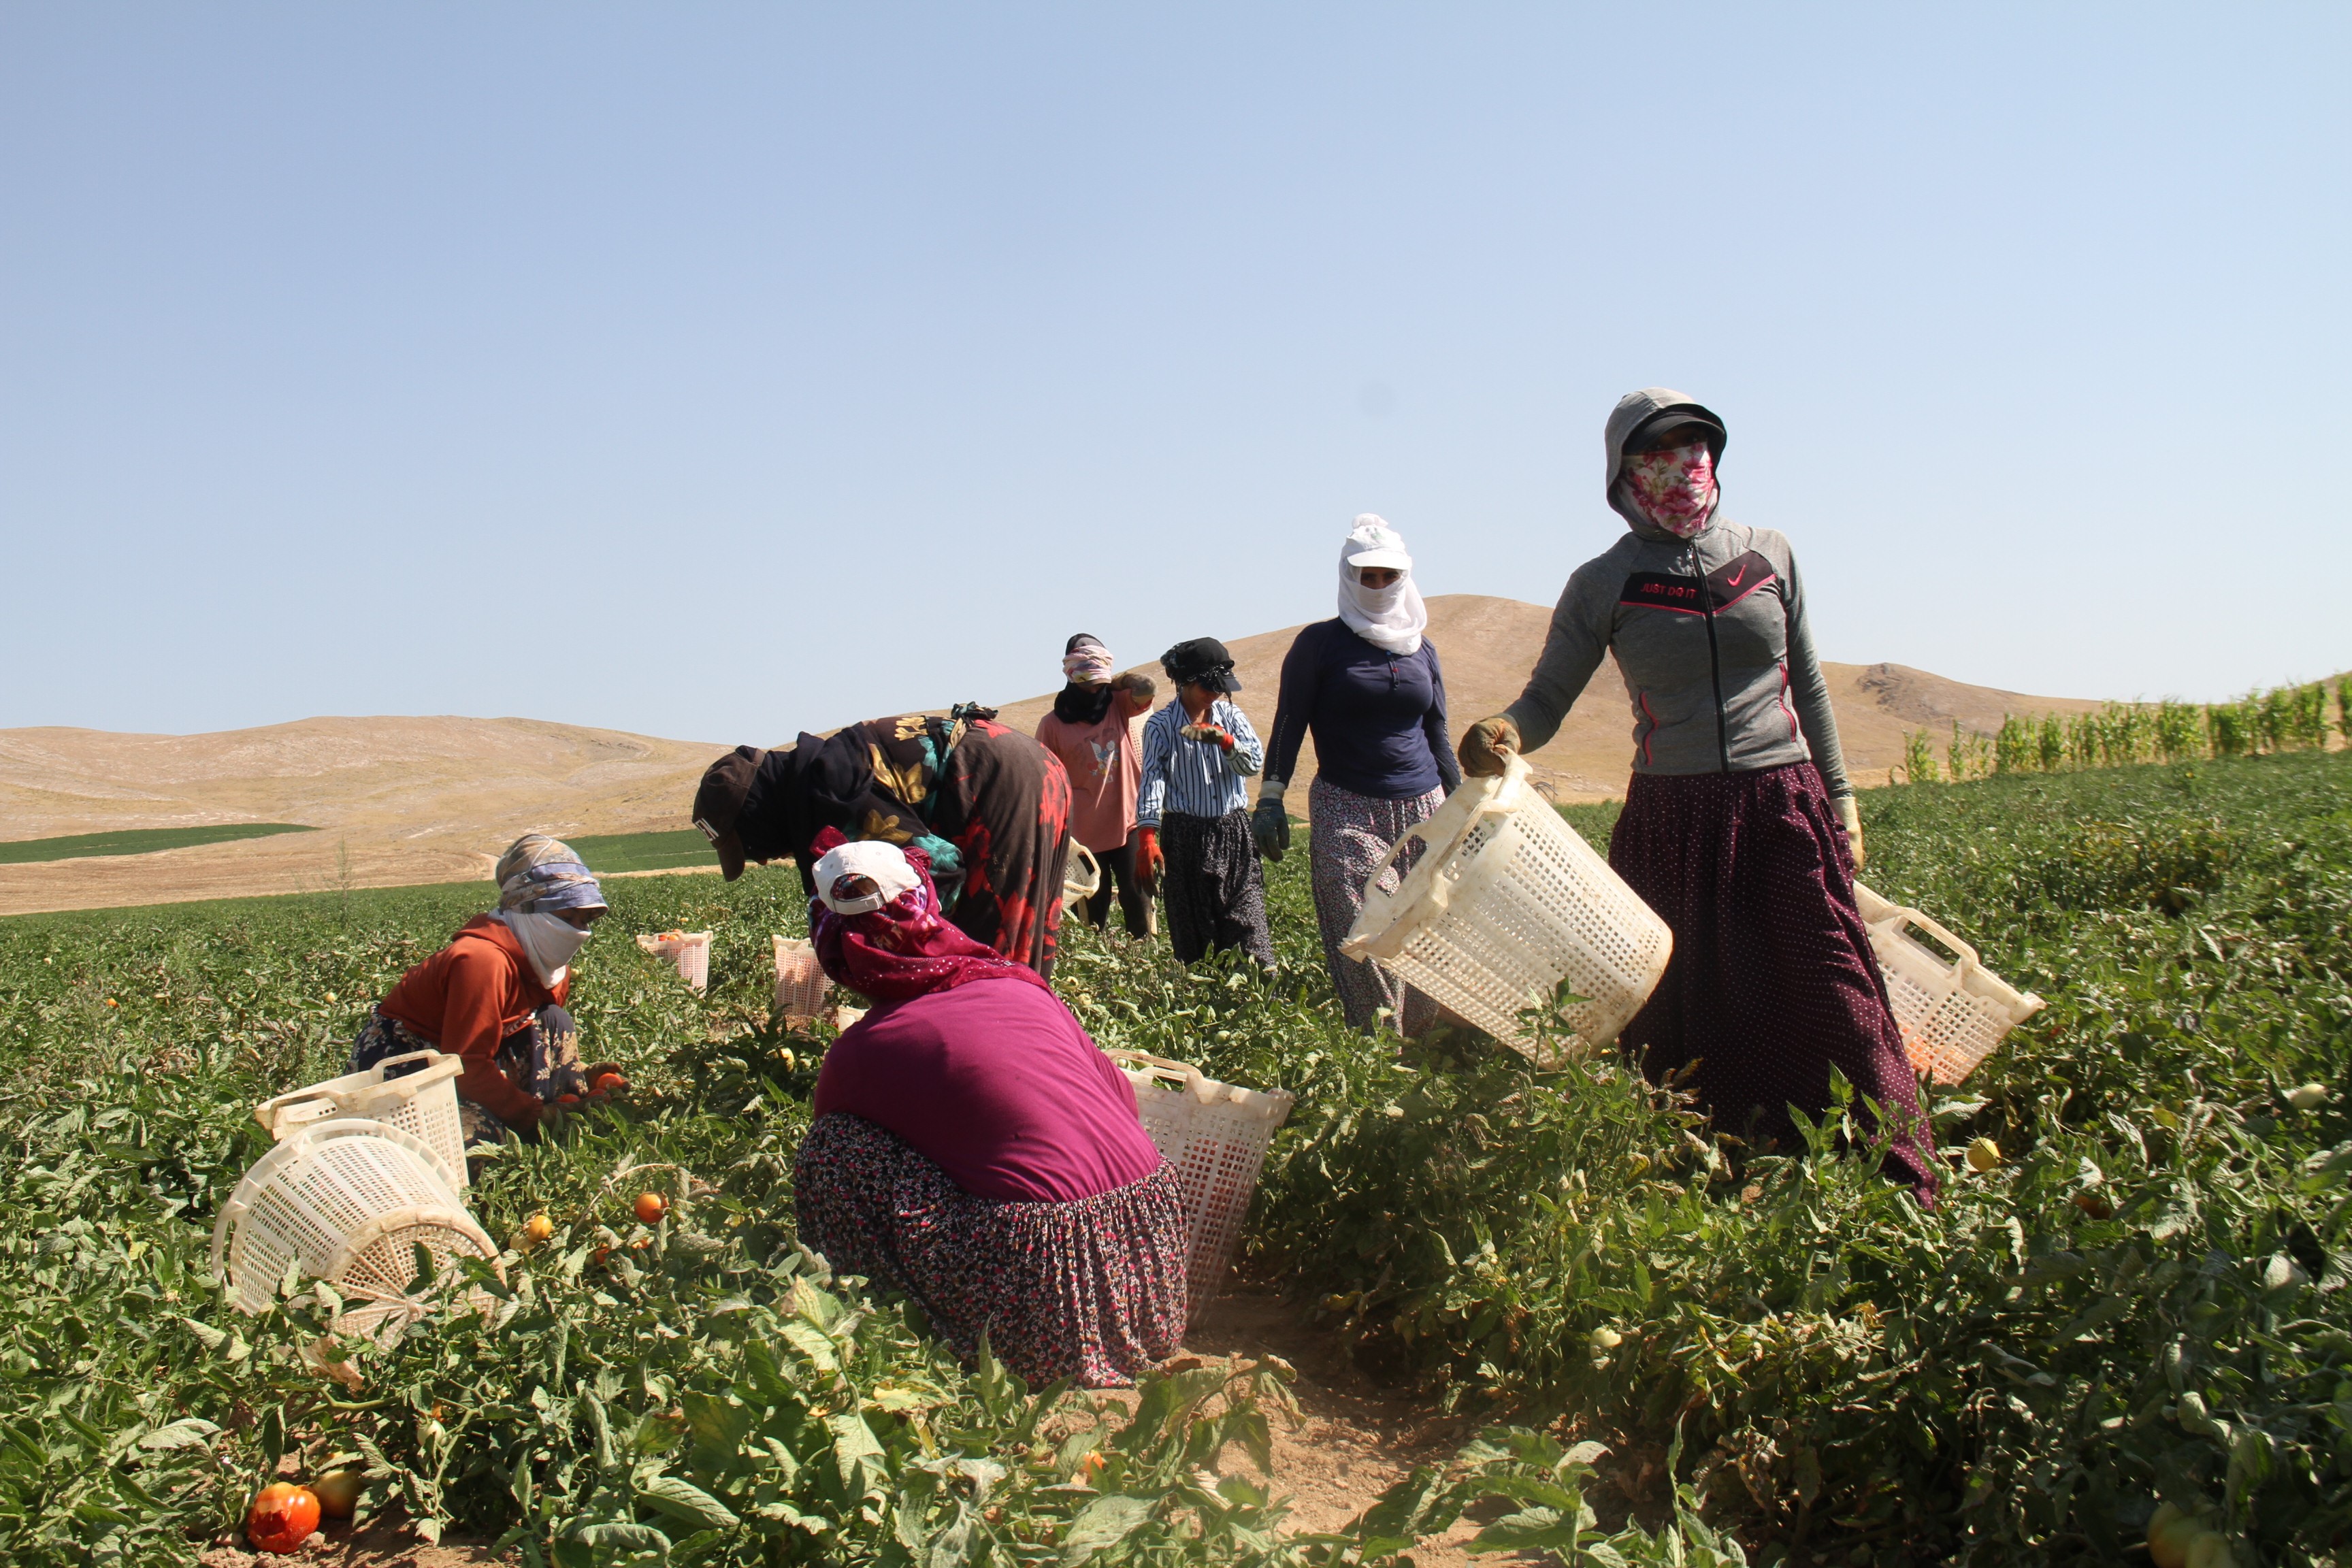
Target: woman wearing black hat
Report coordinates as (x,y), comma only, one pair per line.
(1739,827)
(990,807)
(1198,752)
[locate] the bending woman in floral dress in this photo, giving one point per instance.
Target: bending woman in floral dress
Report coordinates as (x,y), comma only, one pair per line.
(974,1149)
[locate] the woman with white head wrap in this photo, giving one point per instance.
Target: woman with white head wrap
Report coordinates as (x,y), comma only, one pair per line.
(494,996)
(1367,685)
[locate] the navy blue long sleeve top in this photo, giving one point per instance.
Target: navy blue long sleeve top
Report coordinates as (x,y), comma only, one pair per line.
(1378,718)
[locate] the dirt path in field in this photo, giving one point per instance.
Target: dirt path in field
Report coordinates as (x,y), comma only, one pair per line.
(1353,1440)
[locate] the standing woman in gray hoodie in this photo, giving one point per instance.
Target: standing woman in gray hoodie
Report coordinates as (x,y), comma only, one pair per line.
(1739,827)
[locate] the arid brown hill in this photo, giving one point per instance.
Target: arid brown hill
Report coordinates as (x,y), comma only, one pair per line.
(405,800)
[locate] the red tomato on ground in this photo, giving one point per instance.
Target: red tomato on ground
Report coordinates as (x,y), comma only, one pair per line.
(608,1083)
(283,1518)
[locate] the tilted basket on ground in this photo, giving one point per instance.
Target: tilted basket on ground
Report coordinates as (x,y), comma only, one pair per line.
(1215,1134)
(1506,901)
(421,1101)
(1952,1013)
(348,1202)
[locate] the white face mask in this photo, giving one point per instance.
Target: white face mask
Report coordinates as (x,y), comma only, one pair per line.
(550,941)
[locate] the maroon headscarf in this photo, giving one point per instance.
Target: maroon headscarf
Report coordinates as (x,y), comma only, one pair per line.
(905,949)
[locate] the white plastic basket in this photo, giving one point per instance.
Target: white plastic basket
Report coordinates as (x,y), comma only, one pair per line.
(1215,1134)
(690,950)
(348,1201)
(1952,1014)
(422,1104)
(1081,874)
(801,984)
(1508,902)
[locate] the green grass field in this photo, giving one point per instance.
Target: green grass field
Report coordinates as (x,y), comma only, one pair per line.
(1681,1351)
(137,841)
(643,851)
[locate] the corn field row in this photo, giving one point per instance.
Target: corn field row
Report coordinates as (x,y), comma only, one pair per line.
(2285,719)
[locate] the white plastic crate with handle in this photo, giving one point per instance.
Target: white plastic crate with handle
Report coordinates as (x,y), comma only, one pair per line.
(422,1103)
(1215,1134)
(1508,902)
(1952,1013)
(801,984)
(348,1202)
(688,950)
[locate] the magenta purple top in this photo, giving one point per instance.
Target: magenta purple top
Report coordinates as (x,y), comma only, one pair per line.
(995,1083)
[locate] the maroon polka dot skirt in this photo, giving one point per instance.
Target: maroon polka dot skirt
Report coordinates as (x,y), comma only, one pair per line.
(1772,981)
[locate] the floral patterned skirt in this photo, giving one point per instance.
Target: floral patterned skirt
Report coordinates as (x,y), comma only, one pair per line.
(1351,835)
(1091,1290)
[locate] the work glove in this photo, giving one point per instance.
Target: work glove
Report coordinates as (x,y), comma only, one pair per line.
(1148,861)
(1214,733)
(1486,744)
(1270,825)
(1850,815)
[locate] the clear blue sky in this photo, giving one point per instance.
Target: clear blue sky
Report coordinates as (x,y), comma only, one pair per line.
(714,371)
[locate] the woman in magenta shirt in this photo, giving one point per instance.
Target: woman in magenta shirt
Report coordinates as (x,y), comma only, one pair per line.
(974,1148)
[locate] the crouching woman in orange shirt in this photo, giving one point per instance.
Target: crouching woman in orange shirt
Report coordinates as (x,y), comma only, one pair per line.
(494,997)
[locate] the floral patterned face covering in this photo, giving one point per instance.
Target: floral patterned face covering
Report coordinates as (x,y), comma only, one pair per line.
(1673,490)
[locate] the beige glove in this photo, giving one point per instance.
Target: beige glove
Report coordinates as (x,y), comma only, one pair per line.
(1486,744)
(1850,815)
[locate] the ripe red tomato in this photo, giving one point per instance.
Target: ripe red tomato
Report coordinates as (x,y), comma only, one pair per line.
(608,1083)
(651,1207)
(283,1517)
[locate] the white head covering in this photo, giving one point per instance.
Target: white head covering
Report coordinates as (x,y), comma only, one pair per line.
(885,864)
(1392,618)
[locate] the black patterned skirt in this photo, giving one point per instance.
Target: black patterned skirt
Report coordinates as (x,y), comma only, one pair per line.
(1772,983)
(1216,894)
(1091,1290)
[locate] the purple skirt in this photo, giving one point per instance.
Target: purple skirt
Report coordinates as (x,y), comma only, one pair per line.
(1772,981)
(1091,1290)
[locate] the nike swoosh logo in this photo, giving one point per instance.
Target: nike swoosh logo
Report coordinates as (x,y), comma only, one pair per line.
(1743,571)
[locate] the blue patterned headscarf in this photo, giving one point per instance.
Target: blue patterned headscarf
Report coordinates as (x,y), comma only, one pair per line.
(538,875)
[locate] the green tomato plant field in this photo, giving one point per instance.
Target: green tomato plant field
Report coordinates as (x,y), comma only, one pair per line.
(1685,1351)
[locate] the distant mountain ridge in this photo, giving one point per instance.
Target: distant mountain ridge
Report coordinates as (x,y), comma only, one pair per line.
(407,800)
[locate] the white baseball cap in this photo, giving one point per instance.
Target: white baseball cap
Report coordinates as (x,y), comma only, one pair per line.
(883,865)
(1372,543)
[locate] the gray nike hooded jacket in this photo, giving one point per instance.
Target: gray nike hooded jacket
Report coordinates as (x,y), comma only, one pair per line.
(1709,634)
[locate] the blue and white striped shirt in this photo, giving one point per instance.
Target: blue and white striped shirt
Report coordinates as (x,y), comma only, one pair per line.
(1198,778)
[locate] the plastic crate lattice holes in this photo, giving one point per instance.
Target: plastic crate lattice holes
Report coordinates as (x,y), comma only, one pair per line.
(1215,1135)
(1504,904)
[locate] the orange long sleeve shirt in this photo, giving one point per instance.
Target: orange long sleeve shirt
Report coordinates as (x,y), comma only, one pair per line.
(467,999)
